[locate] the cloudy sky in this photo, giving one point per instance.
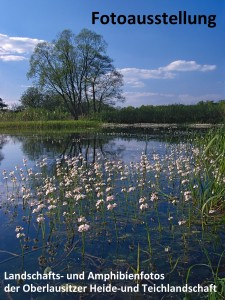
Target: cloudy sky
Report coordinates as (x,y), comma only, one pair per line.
(161,64)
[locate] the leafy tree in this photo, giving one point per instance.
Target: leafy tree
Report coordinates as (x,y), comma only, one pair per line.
(3,105)
(52,101)
(78,69)
(32,98)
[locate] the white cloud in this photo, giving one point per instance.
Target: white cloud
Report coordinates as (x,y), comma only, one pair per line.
(134,95)
(136,74)
(134,77)
(12,58)
(25,86)
(16,48)
(134,83)
(186,66)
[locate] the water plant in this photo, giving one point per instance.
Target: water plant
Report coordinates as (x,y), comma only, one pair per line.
(112,214)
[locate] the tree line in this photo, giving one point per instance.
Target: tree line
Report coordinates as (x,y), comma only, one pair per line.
(202,112)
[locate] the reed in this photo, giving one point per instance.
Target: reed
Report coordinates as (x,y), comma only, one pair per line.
(212,181)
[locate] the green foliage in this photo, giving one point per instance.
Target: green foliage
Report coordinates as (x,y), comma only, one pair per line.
(40,118)
(50,125)
(2,104)
(32,114)
(33,97)
(203,112)
(212,183)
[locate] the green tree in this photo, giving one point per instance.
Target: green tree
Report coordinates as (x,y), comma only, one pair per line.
(78,69)
(32,98)
(3,105)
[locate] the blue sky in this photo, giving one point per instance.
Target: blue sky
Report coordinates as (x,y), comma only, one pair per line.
(161,64)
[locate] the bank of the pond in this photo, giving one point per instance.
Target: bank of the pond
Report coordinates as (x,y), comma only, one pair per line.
(51,125)
(161,125)
(94,124)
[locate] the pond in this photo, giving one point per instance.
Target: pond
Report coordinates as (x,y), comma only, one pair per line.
(98,215)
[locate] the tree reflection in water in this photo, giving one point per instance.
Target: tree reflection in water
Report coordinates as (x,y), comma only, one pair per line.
(3,141)
(36,146)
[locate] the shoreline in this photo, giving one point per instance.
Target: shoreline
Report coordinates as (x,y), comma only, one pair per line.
(160,125)
(96,125)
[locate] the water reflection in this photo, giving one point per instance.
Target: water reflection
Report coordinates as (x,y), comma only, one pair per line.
(114,146)
(70,145)
(3,141)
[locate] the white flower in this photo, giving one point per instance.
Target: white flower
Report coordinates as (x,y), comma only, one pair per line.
(40,206)
(81,219)
(143,206)
(111,206)
(19,228)
(99,202)
(154,196)
(83,228)
(51,207)
(184,181)
(20,235)
(167,249)
(175,201)
(40,219)
(110,198)
(142,199)
(131,189)
(181,222)
(100,194)
(108,189)
(68,194)
(187,195)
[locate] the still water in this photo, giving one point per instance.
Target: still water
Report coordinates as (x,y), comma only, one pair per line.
(112,204)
